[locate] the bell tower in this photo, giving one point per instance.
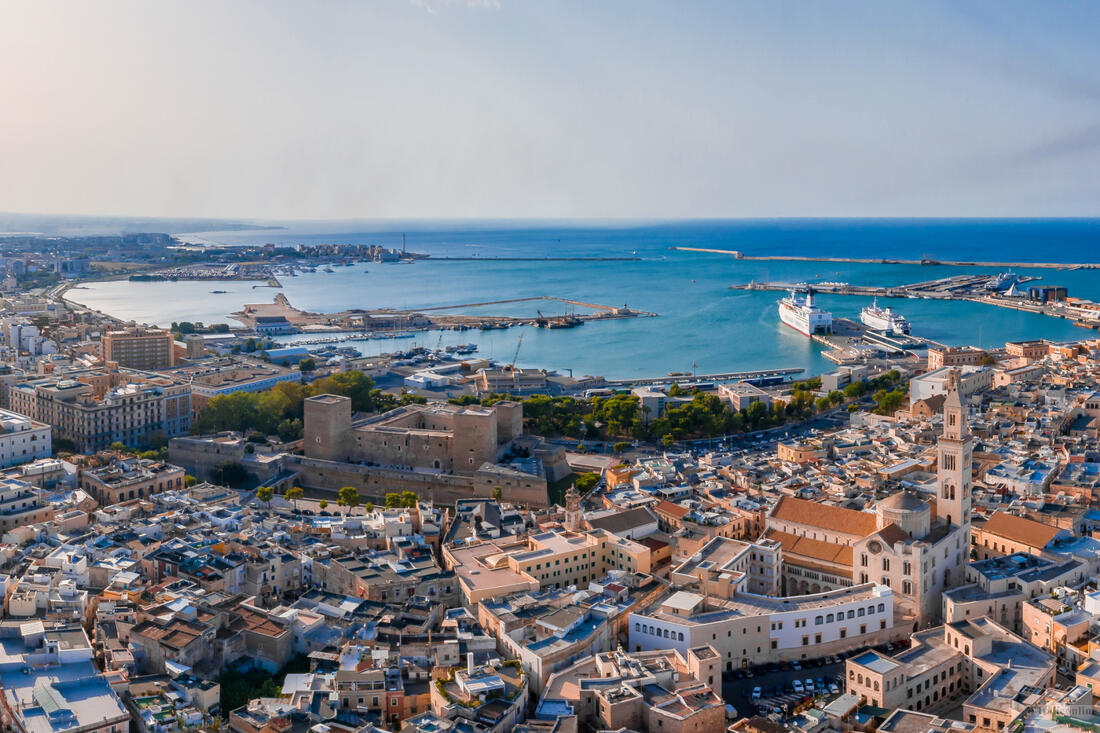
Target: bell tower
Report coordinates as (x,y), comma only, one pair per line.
(954,457)
(573,514)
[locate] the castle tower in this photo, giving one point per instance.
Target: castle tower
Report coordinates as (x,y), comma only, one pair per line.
(573,514)
(955,458)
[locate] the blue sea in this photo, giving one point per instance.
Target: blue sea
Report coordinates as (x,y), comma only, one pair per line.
(702,323)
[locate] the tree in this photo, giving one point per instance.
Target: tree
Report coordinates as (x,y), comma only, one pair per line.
(369,507)
(118,447)
(307,365)
(189,481)
(349,497)
(585,482)
(409,499)
(264,494)
(322,504)
(393,500)
(667,441)
(988,360)
(294,494)
(822,404)
(621,446)
(498,493)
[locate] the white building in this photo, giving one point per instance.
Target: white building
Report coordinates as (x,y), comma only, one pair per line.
(23,440)
(972,379)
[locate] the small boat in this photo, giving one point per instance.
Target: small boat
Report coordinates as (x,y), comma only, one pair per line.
(218,292)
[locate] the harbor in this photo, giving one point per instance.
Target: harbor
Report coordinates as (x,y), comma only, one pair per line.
(1003,290)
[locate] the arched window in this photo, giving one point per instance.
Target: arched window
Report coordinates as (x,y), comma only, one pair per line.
(861,612)
(818,621)
(681,636)
(829,619)
(882,608)
(851,614)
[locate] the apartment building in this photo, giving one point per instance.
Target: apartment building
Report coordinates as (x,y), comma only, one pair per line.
(660,691)
(94,408)
(21,504)
(23,440)
(130,478)
(977,662)
(210,378)
(553,559)
(747,629)
(148,349)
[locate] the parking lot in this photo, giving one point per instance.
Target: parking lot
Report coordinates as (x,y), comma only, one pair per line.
(778,696)
(777,685)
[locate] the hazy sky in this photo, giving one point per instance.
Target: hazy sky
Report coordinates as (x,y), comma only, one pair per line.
(537,108)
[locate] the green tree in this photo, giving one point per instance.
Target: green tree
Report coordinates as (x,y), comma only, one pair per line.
(585,482)
(369,507)
(349,497)
(667,441)
(355,384)
(621,446)
(498,493)
(189,480)
(393,500)
(118,447)
(409,499)
(322,504)
(307,365)
(294,494)
(264,494)
(822,404)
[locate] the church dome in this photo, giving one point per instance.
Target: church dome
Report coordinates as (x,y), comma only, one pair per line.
(908,511)
(904,501)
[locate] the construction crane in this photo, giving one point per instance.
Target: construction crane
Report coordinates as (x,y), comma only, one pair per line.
(512,366)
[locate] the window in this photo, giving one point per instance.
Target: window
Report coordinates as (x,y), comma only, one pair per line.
(818,621)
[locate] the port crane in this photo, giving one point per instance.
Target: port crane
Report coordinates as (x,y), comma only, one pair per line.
(512,366)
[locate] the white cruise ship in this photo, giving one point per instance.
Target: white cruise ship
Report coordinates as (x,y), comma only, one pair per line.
(884,319)
(799,312)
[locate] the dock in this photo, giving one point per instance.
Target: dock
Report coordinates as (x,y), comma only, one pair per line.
(973,288)
(891,261)
(685,380)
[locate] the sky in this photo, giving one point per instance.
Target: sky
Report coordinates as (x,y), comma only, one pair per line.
(544,109)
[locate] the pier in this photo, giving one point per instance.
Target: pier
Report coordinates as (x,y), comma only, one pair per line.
(890,261)
(972,288)
(690,379)
(580,303)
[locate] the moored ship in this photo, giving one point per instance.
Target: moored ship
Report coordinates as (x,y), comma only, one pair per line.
(884,319)
(799,312)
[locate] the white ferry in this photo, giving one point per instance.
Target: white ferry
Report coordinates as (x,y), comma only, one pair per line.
(799,312)
(884,319)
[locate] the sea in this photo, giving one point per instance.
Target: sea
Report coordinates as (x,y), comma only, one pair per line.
(702,325)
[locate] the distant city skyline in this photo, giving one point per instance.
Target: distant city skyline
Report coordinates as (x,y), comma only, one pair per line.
(617,110)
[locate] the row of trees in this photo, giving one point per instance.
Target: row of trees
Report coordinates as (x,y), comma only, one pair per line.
(348,496)
(278,411)
(705,415)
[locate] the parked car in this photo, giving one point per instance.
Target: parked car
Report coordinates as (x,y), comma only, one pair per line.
(834,689)
(755,694)
(809,685)
(797,685)
(796,666)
